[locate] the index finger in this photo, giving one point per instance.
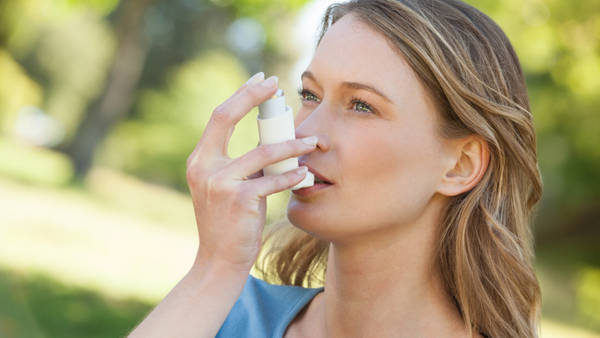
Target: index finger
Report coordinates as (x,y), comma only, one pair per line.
(219,128)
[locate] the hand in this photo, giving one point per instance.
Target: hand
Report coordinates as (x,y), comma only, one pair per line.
(229,195)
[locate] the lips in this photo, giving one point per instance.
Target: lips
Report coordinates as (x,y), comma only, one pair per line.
(319,178)
(318,181)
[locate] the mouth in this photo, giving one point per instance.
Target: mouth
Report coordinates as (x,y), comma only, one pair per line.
(313,189)
(320,181)
(319,178)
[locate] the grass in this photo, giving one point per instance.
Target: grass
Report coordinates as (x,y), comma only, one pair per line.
(84,242)
(93,261)
(35,305)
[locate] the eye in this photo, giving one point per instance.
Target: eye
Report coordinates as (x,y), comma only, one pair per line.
(306,95)
(357,104)
(362,106)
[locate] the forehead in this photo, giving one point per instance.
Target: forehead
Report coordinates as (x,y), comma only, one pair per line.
(352,51)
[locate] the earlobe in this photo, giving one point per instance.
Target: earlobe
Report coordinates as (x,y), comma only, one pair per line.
(469,164)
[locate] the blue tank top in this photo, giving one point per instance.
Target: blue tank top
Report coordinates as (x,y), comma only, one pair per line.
(265,310)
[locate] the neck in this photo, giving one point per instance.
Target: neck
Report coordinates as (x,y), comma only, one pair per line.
(387,284)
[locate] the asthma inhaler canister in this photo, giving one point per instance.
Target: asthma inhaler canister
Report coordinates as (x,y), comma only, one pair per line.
(276,124)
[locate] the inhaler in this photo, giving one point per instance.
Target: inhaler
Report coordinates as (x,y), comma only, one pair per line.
(276,124)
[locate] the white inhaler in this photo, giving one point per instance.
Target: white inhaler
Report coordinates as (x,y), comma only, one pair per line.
(276,124)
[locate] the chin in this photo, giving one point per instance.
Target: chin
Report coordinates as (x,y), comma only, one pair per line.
(308,217)
(322,224)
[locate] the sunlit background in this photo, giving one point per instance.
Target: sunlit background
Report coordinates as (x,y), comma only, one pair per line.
(101,102)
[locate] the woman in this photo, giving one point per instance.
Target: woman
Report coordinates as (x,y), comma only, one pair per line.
(424,131)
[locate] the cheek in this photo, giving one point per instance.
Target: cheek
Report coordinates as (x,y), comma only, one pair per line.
(390,175)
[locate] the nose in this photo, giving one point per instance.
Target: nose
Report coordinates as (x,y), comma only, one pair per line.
(314,124)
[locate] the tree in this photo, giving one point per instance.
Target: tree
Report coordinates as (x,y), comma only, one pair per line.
(184,28)
(116,99)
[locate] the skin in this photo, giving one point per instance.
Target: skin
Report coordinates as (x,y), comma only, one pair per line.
(393,175)
(229,197)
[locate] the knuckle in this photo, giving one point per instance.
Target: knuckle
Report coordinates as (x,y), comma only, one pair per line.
(194,161)
(292,177)
(189,161)
(253,93)
(192,177)
(220,114)
(266,151)
(296,145)
(193,172)
(283,180)
(280,180)
(275,184)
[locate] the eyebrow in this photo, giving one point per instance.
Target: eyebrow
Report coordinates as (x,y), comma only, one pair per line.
(353,85)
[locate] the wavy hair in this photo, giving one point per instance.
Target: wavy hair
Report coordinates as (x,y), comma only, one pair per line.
(485,250)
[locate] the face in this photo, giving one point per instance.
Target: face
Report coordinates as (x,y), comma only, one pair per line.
(381,151)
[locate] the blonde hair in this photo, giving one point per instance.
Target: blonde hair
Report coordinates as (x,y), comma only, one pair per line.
(485,250)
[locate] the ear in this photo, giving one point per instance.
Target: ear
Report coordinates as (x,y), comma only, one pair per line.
(467,162)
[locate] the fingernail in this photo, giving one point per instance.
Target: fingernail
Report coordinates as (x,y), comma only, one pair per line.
(270,82)
(311,140)
(256,78)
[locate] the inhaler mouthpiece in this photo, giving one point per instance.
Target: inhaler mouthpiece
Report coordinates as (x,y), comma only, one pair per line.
(276,124)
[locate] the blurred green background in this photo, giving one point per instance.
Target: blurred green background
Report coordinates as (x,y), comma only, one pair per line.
(101,102)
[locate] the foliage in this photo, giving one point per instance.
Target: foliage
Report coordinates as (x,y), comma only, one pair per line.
(588,296)
(558,44)
(34,165)
(55,55)
(169,122)
(100,6)
(28,91)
